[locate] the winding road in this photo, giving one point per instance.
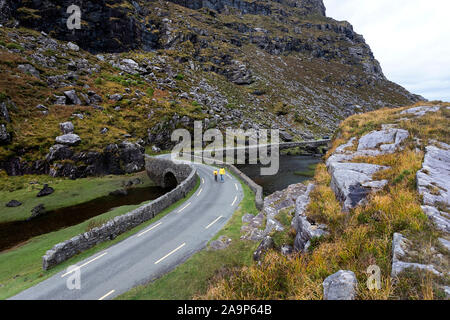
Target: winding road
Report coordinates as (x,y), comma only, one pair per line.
(153,251)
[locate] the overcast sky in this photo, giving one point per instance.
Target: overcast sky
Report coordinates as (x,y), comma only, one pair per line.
(410,38)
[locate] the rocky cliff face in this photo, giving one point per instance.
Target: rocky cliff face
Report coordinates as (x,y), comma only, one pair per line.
(254,7)
(143,68)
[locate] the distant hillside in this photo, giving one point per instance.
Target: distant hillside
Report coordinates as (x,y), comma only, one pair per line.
(138,69)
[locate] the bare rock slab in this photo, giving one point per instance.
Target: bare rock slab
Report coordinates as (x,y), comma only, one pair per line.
(441,219)
(420,111)
(306,229)
(433,180)
(399,252)
(352,182)
(387,141)
(433,183)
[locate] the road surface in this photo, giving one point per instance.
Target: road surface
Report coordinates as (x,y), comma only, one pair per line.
(151,252)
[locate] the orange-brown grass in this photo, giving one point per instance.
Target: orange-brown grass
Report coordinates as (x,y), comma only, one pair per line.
(434,125)
(416,285)
(350,245)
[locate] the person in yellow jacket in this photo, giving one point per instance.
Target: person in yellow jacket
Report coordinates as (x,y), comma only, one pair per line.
(222,174)
(215,174)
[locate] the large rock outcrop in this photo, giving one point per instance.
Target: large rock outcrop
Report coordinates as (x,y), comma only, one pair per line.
(434,187)
(7,8)
(352,182)
(433,183)
(400,249)
(305,228)
(125,157)
(254,7)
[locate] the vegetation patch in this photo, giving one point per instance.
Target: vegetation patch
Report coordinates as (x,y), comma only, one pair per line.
(307,173)
(67,192)
(357,239)
(21,268)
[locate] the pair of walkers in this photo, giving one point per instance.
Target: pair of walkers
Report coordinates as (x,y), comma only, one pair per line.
(221,173)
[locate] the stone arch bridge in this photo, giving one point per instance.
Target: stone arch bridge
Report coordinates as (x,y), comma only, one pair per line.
(311,146)
(165,173)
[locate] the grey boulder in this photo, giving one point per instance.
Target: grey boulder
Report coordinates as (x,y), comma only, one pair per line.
(116,97)
(72,97)
(66,127)
(37,211)
(220,244)
(59,152)
(286,136)
(119,192)
(72,46)
(28,68)
(266,244)
(130,66)
(46,190)
(5,137)
(13,204)
(60,100)
(352,182)
(340,286)
(4,112)
(68,139)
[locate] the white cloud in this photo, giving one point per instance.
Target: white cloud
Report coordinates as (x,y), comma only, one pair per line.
(410,38)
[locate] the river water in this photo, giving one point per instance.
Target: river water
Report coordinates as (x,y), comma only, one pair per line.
(16,232)
(293,169)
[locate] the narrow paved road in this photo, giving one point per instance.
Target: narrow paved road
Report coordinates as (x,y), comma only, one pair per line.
(153,251)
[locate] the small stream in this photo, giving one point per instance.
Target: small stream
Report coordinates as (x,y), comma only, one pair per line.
(293,169)
(15,232)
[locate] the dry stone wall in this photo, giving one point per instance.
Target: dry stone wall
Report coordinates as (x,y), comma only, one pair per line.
(110,230)
(256,188)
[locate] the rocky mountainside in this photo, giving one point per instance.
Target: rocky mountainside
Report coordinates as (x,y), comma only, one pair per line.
(136,70)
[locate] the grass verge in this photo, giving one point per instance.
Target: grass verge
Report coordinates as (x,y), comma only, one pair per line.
(21,268)
(67,192)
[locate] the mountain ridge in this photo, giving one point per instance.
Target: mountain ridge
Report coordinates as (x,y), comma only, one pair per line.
(139,69)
